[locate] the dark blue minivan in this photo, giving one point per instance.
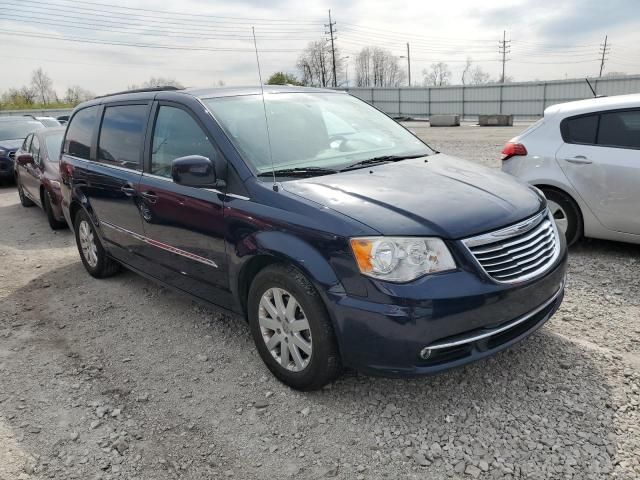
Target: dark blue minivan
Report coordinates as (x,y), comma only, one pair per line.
(341,237)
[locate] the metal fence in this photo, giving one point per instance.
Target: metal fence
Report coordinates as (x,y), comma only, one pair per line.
(525,100)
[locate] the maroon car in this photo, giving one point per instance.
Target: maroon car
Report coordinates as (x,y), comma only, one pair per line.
(38,175)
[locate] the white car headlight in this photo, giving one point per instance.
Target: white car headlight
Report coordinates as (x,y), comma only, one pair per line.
(3,152)
(401,259)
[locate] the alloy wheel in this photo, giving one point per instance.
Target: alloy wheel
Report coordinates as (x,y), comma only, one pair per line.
(559,215)
(88,243)
(285,329)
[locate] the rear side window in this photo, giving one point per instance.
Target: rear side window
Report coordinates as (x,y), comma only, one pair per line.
(121,136)
(80,133)
(581,129)
(620,129)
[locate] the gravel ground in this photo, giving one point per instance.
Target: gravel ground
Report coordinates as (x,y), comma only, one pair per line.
(121,378)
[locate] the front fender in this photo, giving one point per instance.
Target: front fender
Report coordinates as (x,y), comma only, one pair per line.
(276,246)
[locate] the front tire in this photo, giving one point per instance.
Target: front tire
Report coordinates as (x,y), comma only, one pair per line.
(24,200)
(93,255)
(566,213)
(292,329)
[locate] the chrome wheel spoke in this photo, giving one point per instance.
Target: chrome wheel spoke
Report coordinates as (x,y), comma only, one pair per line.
(290,311)
(268,323)
(274,341)
(299,325)
(284,355)
(301,343)
(297,358)
(278,300)
(265,302)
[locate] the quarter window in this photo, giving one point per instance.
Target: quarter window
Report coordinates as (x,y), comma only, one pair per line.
(27,143)
(176,134)
(121,135)
(581,130)
(80,133)
(620,129)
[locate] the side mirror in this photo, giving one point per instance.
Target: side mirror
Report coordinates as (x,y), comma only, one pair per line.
(194,171)
(25,159)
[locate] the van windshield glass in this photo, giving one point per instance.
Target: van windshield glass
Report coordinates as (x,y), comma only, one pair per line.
(320,130)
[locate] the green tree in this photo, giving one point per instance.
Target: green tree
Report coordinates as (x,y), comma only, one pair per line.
(281,78)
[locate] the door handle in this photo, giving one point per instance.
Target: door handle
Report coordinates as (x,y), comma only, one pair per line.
(151,197)
(579,160)
(128,190)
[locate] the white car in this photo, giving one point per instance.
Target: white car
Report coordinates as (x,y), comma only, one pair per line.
(585,157)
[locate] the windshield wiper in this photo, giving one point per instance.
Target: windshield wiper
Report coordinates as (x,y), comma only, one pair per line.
(299,172)
(381,159)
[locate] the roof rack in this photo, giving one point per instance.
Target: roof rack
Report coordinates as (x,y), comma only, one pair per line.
(159,88)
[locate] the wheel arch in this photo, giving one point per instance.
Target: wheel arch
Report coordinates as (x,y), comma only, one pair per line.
(283,248)
(545,186)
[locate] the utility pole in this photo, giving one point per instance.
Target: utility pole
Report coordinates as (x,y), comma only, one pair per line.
(604,50)
(408,64)
(333,48)
(504,48)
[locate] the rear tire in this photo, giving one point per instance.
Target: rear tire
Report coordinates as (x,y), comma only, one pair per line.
(566,213)
(92,253)
(54,223)
(303,334)
(24,200)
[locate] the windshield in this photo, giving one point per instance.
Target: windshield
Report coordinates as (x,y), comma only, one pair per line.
(50,122)
(19,129)
(54,145)
(320,130)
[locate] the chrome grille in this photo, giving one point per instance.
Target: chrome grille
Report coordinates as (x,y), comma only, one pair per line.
(520,252)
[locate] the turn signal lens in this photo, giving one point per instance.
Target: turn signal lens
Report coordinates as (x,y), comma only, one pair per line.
(401,259)
(513,149)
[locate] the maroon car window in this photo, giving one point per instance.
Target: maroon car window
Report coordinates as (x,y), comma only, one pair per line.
(35,149)
(121,133)
(80,133)
(176,134)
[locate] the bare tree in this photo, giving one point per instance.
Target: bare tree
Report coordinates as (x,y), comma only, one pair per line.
(438,75)
(377,67)
(466,71)
(479,76)
(76,94)
(161,82)
(315,65)
(43,86)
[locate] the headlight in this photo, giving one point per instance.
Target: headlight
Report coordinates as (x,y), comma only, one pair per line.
(401,259)
(2,152)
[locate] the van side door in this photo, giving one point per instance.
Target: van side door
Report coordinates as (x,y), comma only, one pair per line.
(184,226)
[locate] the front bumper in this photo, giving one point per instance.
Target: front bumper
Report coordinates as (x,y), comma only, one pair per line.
(6,167)
(467,318)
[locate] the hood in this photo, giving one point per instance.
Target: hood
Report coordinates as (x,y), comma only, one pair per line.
(444,196)
(11,144)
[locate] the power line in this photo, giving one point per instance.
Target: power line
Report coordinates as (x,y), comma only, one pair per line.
(123,19)
(182,14)
(141,45)
(95,26)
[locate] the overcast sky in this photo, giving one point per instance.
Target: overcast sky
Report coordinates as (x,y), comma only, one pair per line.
(210,40)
